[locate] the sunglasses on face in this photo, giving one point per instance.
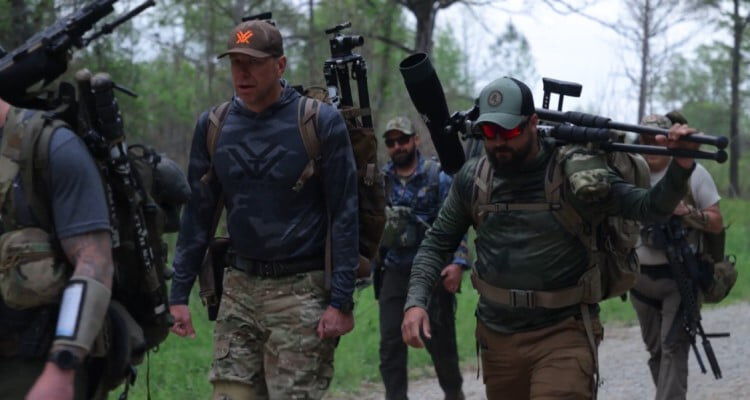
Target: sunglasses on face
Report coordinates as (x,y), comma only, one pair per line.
(402,140)
(491,131)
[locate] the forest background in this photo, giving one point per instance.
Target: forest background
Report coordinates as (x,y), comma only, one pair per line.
(168,56)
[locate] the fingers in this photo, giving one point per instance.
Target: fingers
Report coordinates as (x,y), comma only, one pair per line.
(321,330)
(426,328)
(414,319)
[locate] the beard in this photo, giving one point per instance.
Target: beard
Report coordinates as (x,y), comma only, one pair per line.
(404,158)
(506,158)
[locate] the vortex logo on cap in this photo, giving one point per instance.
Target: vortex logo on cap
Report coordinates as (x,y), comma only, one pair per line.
(495,98)
(244,37)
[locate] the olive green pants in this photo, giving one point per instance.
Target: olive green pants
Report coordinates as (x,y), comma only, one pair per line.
(17,376)
(657,307)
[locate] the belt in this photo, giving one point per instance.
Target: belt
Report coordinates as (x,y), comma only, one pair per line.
(274,269)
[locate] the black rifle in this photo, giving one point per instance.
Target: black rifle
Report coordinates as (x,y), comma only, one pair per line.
(44,57)
(690,277)
(100,125)
(428,97)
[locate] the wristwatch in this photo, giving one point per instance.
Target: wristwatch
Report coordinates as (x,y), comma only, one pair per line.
(65,359)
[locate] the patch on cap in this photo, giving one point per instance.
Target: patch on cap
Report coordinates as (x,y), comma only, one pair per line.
(244,37)
(495,98)
(659,121)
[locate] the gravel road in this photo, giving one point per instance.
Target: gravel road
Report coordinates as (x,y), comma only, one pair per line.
(624,371)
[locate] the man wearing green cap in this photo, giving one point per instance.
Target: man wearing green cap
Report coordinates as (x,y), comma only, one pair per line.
(655,297)
(278,324)
(415,189)
(532,344)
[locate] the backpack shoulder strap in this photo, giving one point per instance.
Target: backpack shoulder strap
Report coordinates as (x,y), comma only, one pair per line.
(216,118)
(308,129)
(483,175)
(36,173)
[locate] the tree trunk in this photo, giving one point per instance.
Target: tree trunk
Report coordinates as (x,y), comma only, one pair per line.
(734,148)
(310,45)
(210,50)
(21,28)
(425,12)
(645,60)
(385,77)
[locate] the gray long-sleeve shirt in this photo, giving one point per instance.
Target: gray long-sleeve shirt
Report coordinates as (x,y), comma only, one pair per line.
(258,159)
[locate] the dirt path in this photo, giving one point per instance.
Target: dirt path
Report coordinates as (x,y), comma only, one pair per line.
(624,371)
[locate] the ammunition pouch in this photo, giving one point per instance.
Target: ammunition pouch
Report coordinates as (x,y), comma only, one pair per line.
(30,273)
(724,278)
(403,229)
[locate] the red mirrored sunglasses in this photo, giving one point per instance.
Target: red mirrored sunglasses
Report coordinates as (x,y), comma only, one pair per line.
(491,131)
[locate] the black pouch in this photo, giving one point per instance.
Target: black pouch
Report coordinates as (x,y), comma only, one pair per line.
(212,276)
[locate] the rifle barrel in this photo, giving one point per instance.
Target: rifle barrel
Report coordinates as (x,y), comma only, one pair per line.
(597,121)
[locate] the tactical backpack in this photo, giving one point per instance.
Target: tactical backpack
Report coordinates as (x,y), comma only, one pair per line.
(370,189)
(133,325)
(609,240)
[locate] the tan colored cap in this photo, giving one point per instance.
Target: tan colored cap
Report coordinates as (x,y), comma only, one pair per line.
(255,38)
(401,124)
(656,120)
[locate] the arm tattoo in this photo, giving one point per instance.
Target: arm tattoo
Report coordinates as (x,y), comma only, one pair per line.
(91,255)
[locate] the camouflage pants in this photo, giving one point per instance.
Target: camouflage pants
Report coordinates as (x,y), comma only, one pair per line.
(265,336)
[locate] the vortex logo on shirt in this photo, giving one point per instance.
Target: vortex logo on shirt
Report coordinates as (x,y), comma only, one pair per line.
(256,164)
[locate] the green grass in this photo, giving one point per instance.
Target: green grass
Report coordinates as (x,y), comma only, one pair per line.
(180,369)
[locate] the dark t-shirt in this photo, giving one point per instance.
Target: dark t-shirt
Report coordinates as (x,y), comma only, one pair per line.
(78,202)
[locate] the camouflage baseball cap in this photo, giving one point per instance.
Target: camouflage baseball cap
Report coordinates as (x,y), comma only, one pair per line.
(656,120)
(255,38)
(401,124)
(506,102)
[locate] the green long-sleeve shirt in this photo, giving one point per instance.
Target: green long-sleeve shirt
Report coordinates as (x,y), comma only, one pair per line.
(528,249)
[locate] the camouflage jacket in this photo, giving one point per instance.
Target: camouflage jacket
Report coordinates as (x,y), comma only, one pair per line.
(528,249)
(423,192)
(258,159)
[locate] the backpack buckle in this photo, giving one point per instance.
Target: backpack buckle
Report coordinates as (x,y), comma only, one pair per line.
(522,298)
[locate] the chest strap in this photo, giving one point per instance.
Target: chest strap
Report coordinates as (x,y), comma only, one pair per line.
(505,207)
(528,298)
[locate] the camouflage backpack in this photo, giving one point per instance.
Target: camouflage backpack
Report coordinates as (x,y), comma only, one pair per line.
(609,240)
(370,190)
(135,323)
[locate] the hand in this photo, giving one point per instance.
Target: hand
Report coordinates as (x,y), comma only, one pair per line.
(335,323)
(452,277)
(681,209)
(415,320)
(672,141)
(183,325)
(53,384)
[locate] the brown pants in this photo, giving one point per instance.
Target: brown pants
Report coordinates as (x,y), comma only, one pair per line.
(555,362)
(668,360)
